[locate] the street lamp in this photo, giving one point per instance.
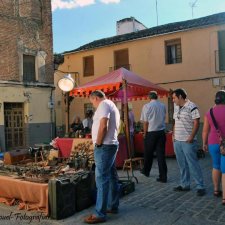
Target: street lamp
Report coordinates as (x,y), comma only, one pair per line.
(66,83)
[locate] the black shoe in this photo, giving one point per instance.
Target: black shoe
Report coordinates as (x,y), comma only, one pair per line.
(180,188)
(161,180)
(142,172)
(201,192)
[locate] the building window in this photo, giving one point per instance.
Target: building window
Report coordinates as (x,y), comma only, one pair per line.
(173,51)
(221,53)
(29,68)
(121,59)
(88,64)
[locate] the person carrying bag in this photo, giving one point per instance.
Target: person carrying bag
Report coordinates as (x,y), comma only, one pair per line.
(213,139)
(222,139)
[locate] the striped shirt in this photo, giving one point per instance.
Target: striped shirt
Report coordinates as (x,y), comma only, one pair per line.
(184,120)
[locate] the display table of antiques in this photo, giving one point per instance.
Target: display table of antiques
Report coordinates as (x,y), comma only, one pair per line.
(58,181)
(28,195)
(41,180)
(66,145)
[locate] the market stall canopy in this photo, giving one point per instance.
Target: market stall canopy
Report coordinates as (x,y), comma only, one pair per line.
(113,82)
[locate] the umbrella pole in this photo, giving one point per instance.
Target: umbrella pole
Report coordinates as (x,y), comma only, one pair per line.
(127,129)
(67,110)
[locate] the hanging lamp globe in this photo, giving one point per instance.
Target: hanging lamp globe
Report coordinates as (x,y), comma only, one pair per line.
(66,83)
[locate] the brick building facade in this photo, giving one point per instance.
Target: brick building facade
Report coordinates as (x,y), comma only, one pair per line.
(26,73)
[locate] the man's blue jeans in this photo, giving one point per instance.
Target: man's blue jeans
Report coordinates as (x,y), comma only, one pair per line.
(106,179)
(186,155)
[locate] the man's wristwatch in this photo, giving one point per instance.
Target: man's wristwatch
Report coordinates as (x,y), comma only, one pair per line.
(97,145)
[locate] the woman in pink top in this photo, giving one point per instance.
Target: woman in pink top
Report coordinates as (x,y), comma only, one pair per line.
(211,142)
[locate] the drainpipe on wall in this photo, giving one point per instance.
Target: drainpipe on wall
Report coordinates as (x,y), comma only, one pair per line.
(51,113)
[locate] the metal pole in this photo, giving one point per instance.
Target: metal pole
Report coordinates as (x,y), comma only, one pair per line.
(127,128)
(126,117)
(156,7)
(67,110)
(193,4)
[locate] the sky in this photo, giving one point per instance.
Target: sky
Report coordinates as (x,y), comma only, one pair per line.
(78,22)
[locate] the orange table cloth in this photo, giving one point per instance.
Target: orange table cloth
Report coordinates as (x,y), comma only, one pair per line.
(31,196)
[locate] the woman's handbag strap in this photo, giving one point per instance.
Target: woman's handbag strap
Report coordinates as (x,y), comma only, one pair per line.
(213,119)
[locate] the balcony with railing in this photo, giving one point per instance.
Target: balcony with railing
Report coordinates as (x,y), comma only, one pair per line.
(126,66)
(220,61)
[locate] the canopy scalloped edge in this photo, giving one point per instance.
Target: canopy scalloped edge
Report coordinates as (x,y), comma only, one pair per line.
(115,92)
(85,92)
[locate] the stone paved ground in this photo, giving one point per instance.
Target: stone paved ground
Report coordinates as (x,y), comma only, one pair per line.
(151,203)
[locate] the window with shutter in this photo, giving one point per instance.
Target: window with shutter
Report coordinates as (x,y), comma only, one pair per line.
(221,40)
(88,64)
(173,53)
(29,68)
(121,59)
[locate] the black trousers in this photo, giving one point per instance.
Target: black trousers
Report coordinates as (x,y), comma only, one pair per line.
(155,141)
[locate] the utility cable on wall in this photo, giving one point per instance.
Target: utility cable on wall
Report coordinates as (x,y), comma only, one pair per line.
(199,79)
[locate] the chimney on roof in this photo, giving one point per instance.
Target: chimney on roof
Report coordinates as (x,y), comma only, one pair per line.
(128,25)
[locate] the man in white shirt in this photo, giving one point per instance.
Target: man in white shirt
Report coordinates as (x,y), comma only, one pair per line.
(186,116)
(105,127)
(153,117)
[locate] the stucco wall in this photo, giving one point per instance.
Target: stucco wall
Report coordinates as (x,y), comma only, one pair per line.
(129,26)
(35,105)
(38,117)
(39,133)
(147,59)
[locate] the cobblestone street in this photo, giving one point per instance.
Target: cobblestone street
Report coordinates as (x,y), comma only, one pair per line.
(151,203)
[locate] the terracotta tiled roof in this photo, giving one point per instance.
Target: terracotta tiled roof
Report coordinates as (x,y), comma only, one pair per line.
(211,20)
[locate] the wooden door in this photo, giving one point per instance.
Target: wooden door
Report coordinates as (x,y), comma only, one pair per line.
(14,125)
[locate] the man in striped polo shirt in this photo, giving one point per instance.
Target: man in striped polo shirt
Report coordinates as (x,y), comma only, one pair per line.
(186,116)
